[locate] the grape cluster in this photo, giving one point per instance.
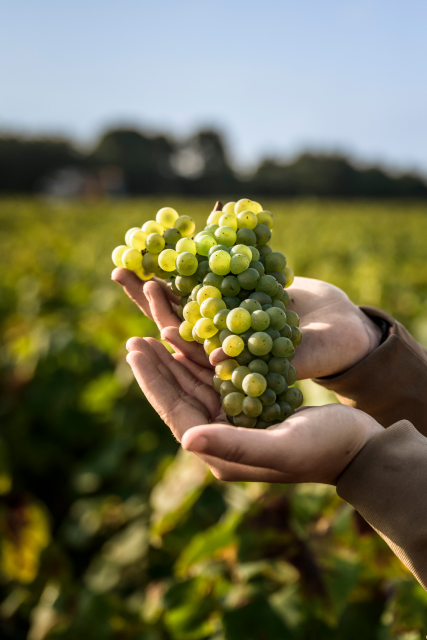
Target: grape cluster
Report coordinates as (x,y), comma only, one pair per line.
(233,295)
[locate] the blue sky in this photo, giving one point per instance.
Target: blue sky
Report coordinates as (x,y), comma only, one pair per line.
(275,76)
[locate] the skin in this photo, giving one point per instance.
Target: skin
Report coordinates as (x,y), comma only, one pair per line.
(314,445)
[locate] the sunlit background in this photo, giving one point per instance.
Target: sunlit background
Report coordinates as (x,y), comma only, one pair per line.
(109,111)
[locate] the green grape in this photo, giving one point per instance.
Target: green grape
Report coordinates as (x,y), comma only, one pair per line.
(218,247)
(279,305)
(203,233)
(152,227)
(289,275)
(219,262)
(228,208)
(232,302)
(255,254)
(293,397)
(175,289)
(271,413)
(226,236)
(172,236)
(216,383)
(296,336)
(263,234)
(211,228)
(166,217)
(205,328)
(250,305)
(211,279)
(243,421)
(258,366)
(280,293)
(196,336)
(210,344)
(266,306)
(264,250)
(258,266)
(137,240)
(247,220)
(248,279)
(279,277)
(194,292)
(184,300)
(144,275)
(204,243)
(185,283)
(192,312)
(230,286)
(132,259)
(202,270)
(292,375)
(180,312)
(210,307)
(252,407)
(228,220)
(276,382)
(246,335)
(283,348)
(259,320)
(167,259)
(254,385)
(128,235)
(214,217)
(260,343)
(232,403)
(245,357)
(233,346)
(277,317)
(244,294)
(186,264)
(186,331)
(267,284)
(227,387)
(241,249)
(261,297)
(266,358)
(238,263)
(208,292)
(220,320)
(285,410)
(117,255)
(244,205)
(185,225)
(186,245)
(238,320)
(238,376)
(273,333)
(292,318)
(155,243)
(224,369)
(224,333)
(275,261)
(262,424)
(247,237)
(267,218)
(268,397)
(286,332)
(279,365)
(286,299)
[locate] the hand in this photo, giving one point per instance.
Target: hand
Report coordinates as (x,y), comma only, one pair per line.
(314,445)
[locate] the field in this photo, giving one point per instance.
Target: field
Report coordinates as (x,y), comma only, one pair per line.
(107,529)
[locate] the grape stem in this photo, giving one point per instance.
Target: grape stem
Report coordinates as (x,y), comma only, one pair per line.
(218,206)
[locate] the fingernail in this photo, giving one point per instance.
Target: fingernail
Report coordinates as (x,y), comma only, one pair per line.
(199,445)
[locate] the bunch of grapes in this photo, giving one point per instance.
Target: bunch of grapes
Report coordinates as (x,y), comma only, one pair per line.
(233,295)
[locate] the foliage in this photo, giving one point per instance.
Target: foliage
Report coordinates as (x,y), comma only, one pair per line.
(108,530)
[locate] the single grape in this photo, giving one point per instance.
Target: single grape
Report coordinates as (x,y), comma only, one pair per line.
(225,369)
(264,250)
(211,228)
(286,299)
(185,225)
(143,275)
(252,407)
(267,284)
(226,236)
(202,270)
(232,302)
(186,331)
(246,335)
(267,218)
(283,348)
(256,207)
(280,294)
(204,243)
(239,263)
(230,286)
(232,403)
(208,292)
(228,220)
(254,385)
(196,336)
(271,413)
(167,259)
(258,266)
(263,234)
(238,376)
(218,247)
(292,318)
(205,328)
(192,312)
(128,235)
(219,262)
(275,261)
(248,279)
(296,336)
(279,365)
(291,376)
(210,344)
(117,255)
(266,357)
(203,233)
(233,346)
(279,304)
(250,305)
(259,320)
(261,297)
(172,236)
(276,382)
(244,205)
(255,254)
(195,291)
(277,317)
(285,410)
(289,275)
(211,279)
(137,239)
(175,289)
(293,397)
(244,421)
(214,217)
(238,320)
(186,264)
(241,249)
(279,277)
(258,366)
(152,227)
(210,307)
(166,217)
(273,333)
(220,320)
(286,332)
(260,343)
(247,220)
(185,283)
(228,208)
(186,245)
(247,237)
(132,259)
(216,383)
(245,357)
(268,397)
(155,243)
(227,387)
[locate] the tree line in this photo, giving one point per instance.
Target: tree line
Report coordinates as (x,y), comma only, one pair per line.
(141,163)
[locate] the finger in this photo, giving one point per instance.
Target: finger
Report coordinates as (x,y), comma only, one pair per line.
(201,373)
(167,289)
(160,306)
(143,346)
(234,472)
(217,356)
(192,350)
(134,288)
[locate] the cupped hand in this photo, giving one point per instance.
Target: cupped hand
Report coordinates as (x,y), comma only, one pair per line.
(314,445)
